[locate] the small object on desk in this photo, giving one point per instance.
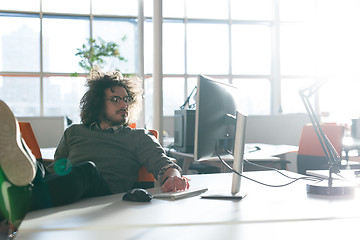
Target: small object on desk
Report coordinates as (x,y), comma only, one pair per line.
(254,149)
(225,196)
(137,195)
(191,192)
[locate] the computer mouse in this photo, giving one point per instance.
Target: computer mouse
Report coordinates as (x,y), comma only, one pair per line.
(137,195)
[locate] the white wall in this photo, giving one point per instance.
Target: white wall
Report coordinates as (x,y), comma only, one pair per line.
(276,129)
(48,130)
(271,129)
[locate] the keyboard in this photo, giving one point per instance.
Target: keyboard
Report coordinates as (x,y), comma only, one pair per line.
(191,192)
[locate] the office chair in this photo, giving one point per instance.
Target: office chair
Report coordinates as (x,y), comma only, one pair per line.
(310,155)
(145,179)
(28,135)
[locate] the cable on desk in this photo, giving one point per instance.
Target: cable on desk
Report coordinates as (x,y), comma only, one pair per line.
(265,184)
(277,170)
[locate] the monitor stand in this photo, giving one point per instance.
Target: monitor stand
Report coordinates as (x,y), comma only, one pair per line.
(238,162)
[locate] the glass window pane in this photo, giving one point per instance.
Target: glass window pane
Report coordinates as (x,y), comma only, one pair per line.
(115,7)
(251,49)
(173,48)
(148,47)
(174,8)
(171,8)
(207,49)
(21,5)
(250,10)
(255,100)
(22,94)
(339,99)
(149,102)
(20,44)
(291,101)
(148,8)
(115,30)
(297,10)
(298,49)
(173,90)
(338,38)
(212,9)
(66,6)
(62,96)
(61,39)
(191,84)
(337,10)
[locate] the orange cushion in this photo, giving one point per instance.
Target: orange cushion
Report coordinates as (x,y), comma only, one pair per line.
(310,144)
(28,135)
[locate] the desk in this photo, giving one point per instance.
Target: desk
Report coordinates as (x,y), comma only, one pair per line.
(268,153)
(265,213)
(48,153)
(349,144)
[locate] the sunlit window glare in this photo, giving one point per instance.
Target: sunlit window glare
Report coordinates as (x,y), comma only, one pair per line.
(269,49)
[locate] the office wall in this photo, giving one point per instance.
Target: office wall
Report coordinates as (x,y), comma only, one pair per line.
(276,129)
(48,130)
(271,129)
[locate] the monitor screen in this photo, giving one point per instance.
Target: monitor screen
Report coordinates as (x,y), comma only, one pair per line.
(216,107)
(217,121)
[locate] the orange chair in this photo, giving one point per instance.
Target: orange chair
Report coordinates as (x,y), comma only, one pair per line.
(145,179)
(28,135)
(144,175)
(310,155)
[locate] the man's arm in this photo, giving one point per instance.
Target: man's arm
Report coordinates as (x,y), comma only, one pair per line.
(172,181)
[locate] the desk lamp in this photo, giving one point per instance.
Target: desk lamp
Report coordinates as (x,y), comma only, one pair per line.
(329,187)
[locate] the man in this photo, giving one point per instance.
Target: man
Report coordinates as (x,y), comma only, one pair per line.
(100,156)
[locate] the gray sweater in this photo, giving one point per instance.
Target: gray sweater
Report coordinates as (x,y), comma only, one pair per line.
(118,156)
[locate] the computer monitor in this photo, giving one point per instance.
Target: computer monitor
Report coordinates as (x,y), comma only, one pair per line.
(219,126)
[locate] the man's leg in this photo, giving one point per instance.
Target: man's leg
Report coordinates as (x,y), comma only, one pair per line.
(84,180)
(17,169)
(23,185)
(16,160)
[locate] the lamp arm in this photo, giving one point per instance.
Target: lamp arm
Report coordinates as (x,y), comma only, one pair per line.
(331,154)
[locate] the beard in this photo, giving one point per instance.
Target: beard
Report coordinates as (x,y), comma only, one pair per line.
(114,122)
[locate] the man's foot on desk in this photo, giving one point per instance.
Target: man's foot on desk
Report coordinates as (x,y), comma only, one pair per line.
(16,160)
(17,169)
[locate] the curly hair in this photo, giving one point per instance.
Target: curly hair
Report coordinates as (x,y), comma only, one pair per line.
(92,103)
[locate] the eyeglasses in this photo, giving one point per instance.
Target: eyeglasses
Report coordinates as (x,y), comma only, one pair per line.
(116,99)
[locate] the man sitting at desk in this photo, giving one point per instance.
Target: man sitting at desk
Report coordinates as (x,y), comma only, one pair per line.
(100,156)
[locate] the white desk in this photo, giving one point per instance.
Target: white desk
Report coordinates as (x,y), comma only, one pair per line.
(47,153)
(265,213)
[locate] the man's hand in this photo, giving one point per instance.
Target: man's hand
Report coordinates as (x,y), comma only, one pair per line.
(175,183)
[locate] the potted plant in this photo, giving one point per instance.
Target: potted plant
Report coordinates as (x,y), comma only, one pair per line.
(95,51)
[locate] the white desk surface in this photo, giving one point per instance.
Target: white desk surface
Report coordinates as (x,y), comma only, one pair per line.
(47,153)
(348,174)
(265,213)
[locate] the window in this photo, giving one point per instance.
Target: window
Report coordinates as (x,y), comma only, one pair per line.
(254,95)
(22,93)
(19,38)
(207,48)
(251,49)
(61,37)
(268,48)
(37,50)
(64,90)
(123,32)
